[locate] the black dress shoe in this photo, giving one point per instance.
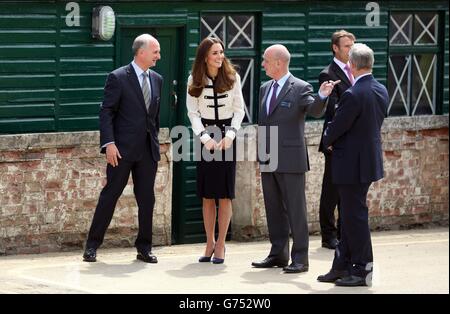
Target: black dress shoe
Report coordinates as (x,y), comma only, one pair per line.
(354,281)
(331,244)
(147,257)
(90,255)
(269,262)
(333,275)
(296,268)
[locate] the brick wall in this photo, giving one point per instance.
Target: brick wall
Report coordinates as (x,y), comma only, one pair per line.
(49,187)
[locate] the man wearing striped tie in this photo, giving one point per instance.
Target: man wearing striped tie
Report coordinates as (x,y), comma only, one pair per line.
(129,127)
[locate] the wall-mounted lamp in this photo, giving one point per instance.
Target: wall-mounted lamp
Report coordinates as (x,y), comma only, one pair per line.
(103,22)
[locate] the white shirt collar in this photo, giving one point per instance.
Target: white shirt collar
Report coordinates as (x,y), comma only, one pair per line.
(137,69)
(283,80)
(361,76)
(340,64)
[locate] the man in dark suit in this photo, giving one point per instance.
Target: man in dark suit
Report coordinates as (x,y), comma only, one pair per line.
(129,127)
(284,102)
(341,42)
(354,135)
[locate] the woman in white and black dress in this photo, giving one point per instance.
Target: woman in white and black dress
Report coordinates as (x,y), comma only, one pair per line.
(215,98)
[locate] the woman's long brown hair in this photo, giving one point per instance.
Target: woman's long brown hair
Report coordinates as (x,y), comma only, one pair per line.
(225,77)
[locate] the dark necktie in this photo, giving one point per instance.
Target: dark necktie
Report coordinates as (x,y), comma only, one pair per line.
(273,99)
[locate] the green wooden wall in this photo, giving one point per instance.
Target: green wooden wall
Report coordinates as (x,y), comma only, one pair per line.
(52,75)
(446,61)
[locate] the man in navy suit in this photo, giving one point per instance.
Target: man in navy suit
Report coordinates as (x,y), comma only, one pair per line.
(129,127)
(354,136)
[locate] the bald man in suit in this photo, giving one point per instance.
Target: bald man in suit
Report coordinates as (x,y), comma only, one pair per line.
(284,103)
(129,127)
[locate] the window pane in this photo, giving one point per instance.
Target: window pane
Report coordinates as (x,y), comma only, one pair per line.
(240,31)
(212,25)
(425,29)
(245,67)
(237,31)
(399,72)
(400,29)
(423,84)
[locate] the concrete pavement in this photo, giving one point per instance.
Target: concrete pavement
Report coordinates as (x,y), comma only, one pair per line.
(412,261)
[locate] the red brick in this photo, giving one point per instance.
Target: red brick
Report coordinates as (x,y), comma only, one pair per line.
(394,135)
(30,208)
(33,155)
(39,175)
(443,132)
(13,155)
(50,196)
(400,172)
(424,218)
(90,204)
(392,155)
(64,152)
(163,148)
(413,163)
(32,187)
(375,203)
(52,185)
(72,184)
(419,209)
(75,174)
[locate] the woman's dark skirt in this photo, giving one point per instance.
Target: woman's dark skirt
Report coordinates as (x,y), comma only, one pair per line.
(216,178)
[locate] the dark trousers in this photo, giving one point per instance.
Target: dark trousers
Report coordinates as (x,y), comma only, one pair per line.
(143,173)
(285,201)
(354,251)
(329,199)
